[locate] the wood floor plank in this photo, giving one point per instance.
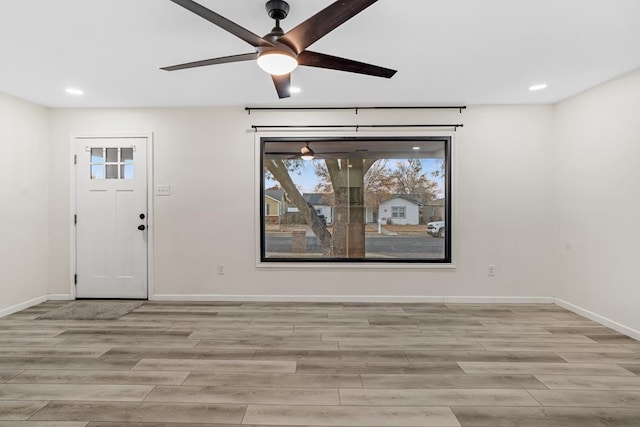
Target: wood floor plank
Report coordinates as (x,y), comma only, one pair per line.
(6,375)
(97,392)
(542,368)
(588,398)
(349,416)
(265,343)
(52,352)
(546,417)
(130,342)
(577,382)
(602,357)
(254,395)
(316,367)
(449,381)
(436,397)
(148,412)
(15,410)
(555,347)
(43,424)
(518,338)
(481,356)
(338,355)
(99,377)
(413,345)
(631,368)
(66,363)
(260,380)
(160,353)
(216,365)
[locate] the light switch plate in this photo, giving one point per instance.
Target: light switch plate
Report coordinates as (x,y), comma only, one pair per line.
(163,190)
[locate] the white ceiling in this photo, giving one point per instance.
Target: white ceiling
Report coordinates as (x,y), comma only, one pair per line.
(446,52)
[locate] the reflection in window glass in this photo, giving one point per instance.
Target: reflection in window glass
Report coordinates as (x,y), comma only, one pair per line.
(126,171)
(359,199)
(97,155)
(112,155)
(126,155)
(112,171)
(97,171)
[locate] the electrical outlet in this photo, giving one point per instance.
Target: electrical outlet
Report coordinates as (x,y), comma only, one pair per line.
(491,271)
(163,190)
(220,269)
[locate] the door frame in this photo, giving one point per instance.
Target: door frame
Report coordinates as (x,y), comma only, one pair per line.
(73,206)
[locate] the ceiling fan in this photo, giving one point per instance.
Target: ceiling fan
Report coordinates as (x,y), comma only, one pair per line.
(305,153)
(278,53)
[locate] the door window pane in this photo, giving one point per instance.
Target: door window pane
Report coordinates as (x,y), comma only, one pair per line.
(126,171)
(126,155)
(112,171)
(97,155)
(112,155)
(97,171)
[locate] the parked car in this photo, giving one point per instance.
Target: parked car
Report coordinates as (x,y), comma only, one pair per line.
(436,229)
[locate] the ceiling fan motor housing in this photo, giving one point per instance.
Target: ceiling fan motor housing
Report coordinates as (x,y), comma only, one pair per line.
(277,9)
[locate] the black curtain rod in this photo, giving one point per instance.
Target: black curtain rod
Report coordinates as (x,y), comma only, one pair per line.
(446,107)
(256,127)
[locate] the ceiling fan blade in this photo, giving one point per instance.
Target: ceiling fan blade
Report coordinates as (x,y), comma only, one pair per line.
(222,22)
(213,61)
(283,85)
(323,22)
(320,60)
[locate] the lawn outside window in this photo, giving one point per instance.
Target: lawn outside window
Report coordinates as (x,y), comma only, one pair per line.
(359,200)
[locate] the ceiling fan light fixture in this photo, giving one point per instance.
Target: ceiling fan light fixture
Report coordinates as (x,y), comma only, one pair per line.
(277,63)
(306,153)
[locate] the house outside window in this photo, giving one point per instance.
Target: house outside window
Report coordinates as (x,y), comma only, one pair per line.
(360,199)
(398,212)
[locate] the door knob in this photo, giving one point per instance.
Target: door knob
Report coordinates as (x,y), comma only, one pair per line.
(141,227)
(141,216)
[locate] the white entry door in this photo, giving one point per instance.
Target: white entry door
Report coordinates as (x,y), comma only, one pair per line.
(111,223)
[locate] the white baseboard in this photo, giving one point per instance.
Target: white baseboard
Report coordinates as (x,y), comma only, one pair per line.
(59,297)
(499,300)
(354,298)
(16,308)
(605,321)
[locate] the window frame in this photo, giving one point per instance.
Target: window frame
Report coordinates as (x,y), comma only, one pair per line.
(447,261)
(400,210)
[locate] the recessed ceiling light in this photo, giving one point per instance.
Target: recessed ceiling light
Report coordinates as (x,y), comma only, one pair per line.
(74,91)
(295,89)
(538,87)
(416,148)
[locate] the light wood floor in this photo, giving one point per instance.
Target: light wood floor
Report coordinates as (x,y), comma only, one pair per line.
(318,365)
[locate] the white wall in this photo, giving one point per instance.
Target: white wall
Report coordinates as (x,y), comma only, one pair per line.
(24,211)
(597,200)
(503,191)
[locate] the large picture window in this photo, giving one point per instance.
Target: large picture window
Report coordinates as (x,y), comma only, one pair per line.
(362,199)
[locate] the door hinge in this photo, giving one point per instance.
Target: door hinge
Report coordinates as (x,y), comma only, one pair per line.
(75,279)
(75,159)
(75,219)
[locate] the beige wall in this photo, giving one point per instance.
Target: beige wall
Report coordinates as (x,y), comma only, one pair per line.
(503,192)
(597,156)
(24,199)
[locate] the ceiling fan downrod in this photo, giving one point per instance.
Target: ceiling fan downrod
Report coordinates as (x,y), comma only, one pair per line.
(277,9)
